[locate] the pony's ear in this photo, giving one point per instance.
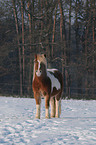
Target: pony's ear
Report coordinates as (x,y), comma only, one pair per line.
(36,56)
(45,55)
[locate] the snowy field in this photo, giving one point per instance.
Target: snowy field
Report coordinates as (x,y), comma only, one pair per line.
(18,125)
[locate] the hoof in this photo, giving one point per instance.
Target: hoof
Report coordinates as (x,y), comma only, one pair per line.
(57,116)
(37,117)
(47,117)
(52,116)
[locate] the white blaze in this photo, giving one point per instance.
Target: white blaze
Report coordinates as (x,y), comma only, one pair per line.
(54,81)
(38,72)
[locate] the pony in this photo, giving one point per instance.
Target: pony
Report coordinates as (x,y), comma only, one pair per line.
(47,83)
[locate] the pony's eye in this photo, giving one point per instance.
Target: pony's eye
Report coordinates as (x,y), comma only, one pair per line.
(40,71)
(36,71)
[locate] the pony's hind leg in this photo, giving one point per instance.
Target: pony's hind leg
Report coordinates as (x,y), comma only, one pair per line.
(57,115)
(58,105)
(53,106)
(38,105)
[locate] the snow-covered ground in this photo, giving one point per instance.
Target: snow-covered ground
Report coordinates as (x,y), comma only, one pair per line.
(18,125)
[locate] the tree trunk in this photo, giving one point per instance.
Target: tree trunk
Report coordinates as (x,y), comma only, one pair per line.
(88,20)
(70,4)
(19,49)
(22,13)
(93,31)
(53,36)
(76,39)
(30,41)
(63,45)
(76,26)
(47,21)
(69,44)
(41,24)
(70,23)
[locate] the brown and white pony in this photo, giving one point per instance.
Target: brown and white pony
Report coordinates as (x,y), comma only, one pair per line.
(49,84)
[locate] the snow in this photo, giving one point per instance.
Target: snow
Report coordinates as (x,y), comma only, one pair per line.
(18,126)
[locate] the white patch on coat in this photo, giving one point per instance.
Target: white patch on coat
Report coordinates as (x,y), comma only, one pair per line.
(54,81)
(52,70)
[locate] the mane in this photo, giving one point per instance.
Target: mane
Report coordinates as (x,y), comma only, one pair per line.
(41,58)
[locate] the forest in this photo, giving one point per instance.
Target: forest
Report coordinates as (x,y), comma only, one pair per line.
(63,30)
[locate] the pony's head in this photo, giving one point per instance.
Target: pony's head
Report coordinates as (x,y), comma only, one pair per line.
(40,64)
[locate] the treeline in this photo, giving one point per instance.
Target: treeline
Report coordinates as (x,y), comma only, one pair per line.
(64,30)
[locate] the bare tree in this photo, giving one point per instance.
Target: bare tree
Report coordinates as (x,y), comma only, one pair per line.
(63,45)
(76,25)
(93,35)
(54,25)
(70,9)
(22,14)
(30,40)
(19,49)
(86,45)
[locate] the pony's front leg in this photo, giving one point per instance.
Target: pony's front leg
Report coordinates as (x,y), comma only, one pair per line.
(47,99)
(52,103)
(38,105)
